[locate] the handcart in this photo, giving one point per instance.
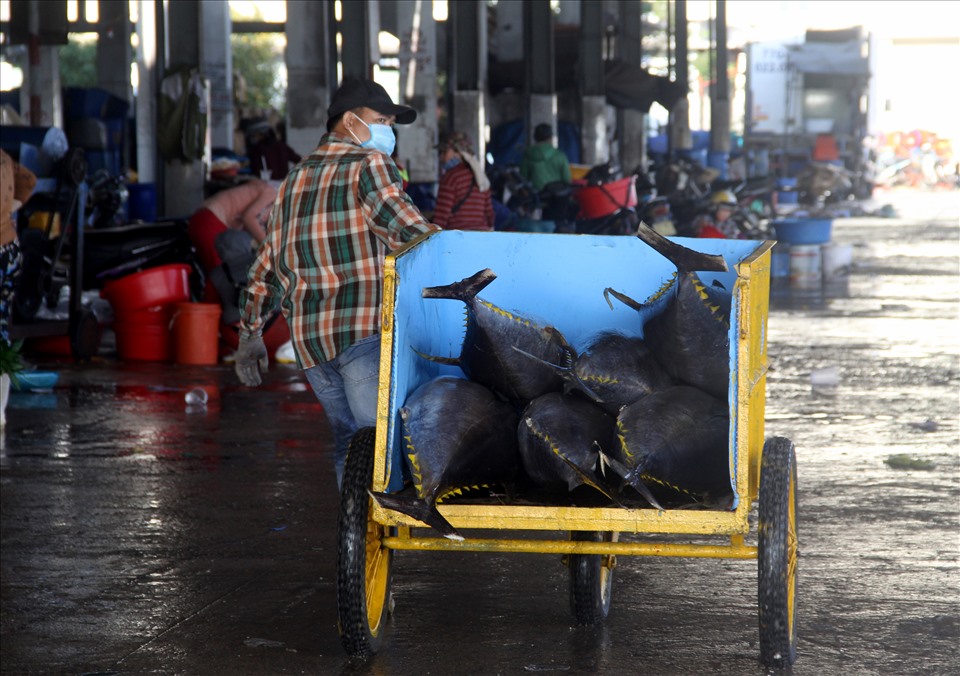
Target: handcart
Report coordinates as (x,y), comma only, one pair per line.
(560,279)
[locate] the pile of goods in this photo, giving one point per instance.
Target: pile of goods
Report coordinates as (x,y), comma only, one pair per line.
(626,420)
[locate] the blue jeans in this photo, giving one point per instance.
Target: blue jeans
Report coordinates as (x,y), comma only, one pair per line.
(346,386)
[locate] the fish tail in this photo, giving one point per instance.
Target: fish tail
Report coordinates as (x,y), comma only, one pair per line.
(681,256)
(420,510)
(464,290)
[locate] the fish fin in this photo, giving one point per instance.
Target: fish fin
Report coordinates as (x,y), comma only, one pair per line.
(636,482)
(464,290)
(623,298)
(617,466)
(451,361)
(630,478)
(588,480)
(681,256)
(420,510)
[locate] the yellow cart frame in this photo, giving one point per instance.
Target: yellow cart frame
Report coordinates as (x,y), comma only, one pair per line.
(388,531)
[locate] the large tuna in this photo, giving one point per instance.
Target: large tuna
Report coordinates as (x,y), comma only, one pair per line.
(458,435)
(675,439)
(687,322)
(488,355)
(560,438)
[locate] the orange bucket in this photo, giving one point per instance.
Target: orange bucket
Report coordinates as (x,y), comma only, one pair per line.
(195,332)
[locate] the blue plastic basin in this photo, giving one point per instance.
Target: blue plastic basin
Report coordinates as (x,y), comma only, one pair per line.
(803,230)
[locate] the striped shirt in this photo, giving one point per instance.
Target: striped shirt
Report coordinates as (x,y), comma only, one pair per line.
(337,214)
(458,187)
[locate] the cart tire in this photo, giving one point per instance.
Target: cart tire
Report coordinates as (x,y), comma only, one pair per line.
(363,564)
(591,580)
(778,549)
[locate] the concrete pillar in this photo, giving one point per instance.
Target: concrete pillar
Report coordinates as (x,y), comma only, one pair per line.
(311,72)
(41,100)
(508,37)
(468,69)
(418,88)
(146,100)
(680,138)
(114,53)
(45,102)
(720,98)
(593,132)
(593,127)
(183,182)
(632,123)
(216,64)
(541,87)
(359,28)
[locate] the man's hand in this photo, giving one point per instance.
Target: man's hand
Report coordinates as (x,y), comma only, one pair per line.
(251,354)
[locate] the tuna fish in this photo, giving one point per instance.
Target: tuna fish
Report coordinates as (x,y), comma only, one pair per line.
(618,370)
(675,439)
(458,435)
(688,322)
(560,436)
(488,355)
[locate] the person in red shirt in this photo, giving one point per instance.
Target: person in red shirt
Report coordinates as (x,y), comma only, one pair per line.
(463,197)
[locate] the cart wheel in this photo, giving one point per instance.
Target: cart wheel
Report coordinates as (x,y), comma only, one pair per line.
(777,553)
(591,580)
(363,565)
(84,335)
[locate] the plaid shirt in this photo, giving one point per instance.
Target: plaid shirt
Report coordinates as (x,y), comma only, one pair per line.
(336,215)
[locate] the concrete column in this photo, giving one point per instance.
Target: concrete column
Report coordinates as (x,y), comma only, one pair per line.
(468,70)
(593,131)
(632,123)
(45,103)
(311,73)
(720,98)
(183,181)
(593,127)
(359,46)
(146,100)
(114,53)
(183,33)
(508,36)
(538,43)
(418,86)
(680,137)
(216,64)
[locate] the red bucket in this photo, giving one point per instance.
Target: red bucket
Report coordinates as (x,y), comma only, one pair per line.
(597,201)
(196,328)
(161,285)
(144,335)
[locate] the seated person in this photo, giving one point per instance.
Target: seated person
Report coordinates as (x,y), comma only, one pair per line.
(268,152)
(233,221)
(463,197)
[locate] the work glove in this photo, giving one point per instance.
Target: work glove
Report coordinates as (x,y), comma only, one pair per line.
(251,354)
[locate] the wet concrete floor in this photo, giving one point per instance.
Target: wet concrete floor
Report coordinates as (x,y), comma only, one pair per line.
(140,536)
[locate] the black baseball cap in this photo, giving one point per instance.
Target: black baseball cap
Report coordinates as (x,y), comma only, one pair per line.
(363,93)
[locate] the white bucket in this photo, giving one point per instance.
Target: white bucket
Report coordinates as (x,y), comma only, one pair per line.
(805,266)
(836,260)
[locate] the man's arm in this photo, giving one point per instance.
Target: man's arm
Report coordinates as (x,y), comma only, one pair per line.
(395,217)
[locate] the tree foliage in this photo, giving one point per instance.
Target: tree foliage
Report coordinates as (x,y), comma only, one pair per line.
(258,58)
(78,63)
